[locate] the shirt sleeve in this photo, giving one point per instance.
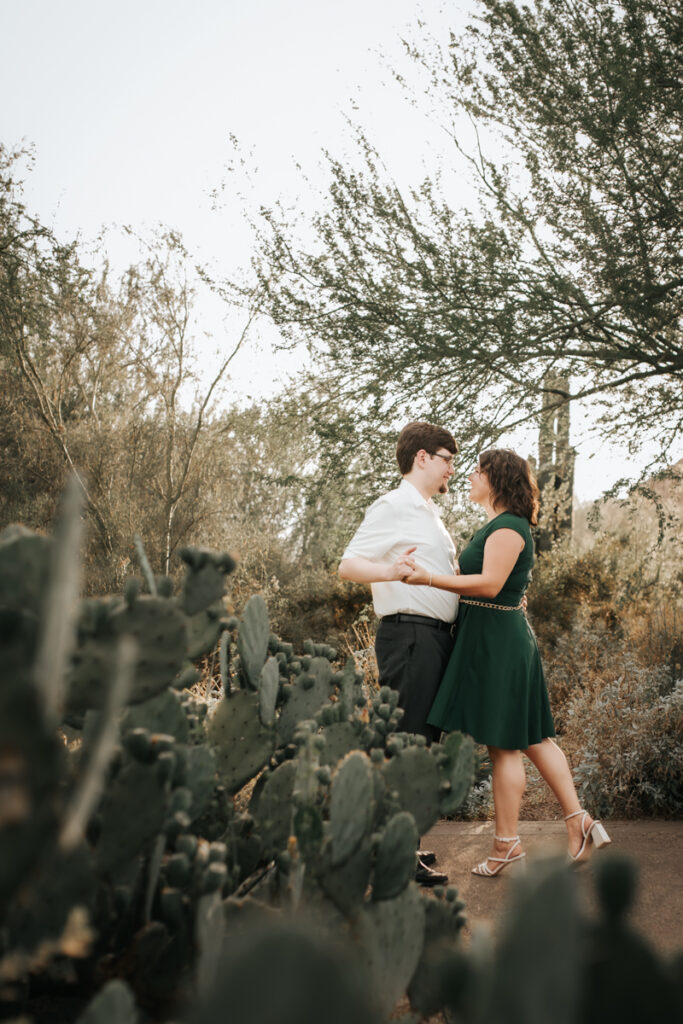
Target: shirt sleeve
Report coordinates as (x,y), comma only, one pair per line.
(376,535)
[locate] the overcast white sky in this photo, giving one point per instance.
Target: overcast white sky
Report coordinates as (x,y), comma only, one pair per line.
(131,103)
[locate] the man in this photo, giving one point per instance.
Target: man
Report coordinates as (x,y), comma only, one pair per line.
(414,638)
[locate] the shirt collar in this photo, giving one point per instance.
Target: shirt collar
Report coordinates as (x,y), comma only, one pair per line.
(413,495)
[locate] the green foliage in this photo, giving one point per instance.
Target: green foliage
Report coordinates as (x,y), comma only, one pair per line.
(567,119)
(632,748)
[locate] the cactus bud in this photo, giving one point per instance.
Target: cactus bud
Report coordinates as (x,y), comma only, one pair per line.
(131,589)
(186,843)
(218,852)
(214,877)
(164,586)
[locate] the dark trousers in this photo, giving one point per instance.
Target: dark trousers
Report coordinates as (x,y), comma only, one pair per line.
(412,659)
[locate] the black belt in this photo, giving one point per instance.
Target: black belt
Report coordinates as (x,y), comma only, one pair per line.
(421,620)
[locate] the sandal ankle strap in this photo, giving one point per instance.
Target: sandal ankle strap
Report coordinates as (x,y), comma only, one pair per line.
(574,814)
(505,839)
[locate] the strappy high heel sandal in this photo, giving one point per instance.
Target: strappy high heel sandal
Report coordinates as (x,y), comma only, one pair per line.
(485,871)
(595,833)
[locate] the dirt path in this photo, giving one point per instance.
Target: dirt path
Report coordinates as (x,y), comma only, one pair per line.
(655,846)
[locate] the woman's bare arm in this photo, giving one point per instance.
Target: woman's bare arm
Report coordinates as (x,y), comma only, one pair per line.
(501,551)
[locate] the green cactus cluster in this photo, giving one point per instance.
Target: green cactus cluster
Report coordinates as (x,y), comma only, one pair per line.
(131,855)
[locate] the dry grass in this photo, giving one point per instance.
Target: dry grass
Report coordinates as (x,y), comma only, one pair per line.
(360,644)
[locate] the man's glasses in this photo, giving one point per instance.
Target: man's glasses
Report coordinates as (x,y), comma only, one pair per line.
(448,459)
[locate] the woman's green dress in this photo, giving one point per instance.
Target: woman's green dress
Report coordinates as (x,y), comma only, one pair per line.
(494,688)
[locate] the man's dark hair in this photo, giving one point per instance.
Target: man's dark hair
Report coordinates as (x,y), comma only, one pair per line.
(418,436)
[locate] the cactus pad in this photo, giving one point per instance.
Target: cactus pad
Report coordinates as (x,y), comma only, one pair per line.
(204,582)
(240,741)
(163,713)
(340,739)
(456,761)
(351,805)
(203,630)
(396,857)
(113,1004)
(24,569)
(272,807)
(269,685)
(252,639)
(346,885)
(200,777)
(390,935)
(133,812)
(305,698)
(413,773)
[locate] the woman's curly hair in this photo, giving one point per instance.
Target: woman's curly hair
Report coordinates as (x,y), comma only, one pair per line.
(513,484)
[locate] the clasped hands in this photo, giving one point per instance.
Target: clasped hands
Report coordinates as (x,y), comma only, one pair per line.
(406,569)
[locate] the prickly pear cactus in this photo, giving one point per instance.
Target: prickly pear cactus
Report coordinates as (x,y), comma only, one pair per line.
(269,686)
(159,629)
(390,934)
(135,805)
(252,640)
(396,857)
(271,805)
(351,805)
(203,630)
(240,741)
(24,569)
(306,695)
(204,582)
(113,1004)
(414,775)
(456,760)
(162,713)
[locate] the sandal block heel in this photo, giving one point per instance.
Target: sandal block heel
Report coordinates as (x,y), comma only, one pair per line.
(599,836)
(595,833)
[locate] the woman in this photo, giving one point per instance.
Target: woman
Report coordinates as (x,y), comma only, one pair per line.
(494,687)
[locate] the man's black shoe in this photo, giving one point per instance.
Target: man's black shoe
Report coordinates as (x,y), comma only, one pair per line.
(425,875)
(427,857)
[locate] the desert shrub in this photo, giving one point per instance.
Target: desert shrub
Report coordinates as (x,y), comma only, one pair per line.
(627,735)
(565,584)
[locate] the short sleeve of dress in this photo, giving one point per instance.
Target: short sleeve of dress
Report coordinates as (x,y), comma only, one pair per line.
(507,521)
(376,535)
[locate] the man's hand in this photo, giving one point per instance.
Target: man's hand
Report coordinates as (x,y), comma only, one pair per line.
(403,566)
(363,570)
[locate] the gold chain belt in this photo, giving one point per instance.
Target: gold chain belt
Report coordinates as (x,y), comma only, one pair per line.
(497,607)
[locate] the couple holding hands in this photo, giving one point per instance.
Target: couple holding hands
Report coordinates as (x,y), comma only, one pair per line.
(480,673)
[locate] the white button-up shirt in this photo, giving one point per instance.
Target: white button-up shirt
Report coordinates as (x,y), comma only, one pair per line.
(396,521)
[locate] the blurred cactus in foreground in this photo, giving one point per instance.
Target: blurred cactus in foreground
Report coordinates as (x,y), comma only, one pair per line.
(129,877)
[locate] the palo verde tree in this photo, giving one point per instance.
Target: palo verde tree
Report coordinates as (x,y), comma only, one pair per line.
(570,259)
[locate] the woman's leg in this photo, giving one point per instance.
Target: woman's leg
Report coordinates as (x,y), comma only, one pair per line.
(552,764)
(507,782)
